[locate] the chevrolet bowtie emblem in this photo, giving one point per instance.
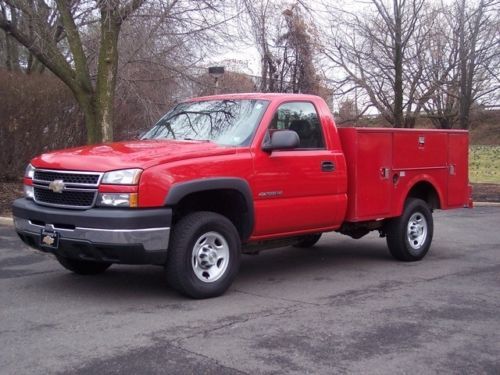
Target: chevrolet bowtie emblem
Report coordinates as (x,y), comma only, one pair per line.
(57,186)
(48,240)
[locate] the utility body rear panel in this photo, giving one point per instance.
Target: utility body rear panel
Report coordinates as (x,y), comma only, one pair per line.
(384,164)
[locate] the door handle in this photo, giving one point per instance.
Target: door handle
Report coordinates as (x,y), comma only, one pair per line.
(327,166)
(384,172)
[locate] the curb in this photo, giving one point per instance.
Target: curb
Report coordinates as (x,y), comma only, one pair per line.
(486,204)
(6,220)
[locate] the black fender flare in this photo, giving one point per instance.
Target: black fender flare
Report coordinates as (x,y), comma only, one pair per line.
(180,190)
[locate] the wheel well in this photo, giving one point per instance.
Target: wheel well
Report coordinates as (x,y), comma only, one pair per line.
(227,202)
(425,191)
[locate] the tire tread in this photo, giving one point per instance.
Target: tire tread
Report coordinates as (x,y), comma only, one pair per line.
(176,267)
(396,231)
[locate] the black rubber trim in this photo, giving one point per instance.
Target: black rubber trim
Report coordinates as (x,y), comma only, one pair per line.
(180,190)
(102,218)
(85,250)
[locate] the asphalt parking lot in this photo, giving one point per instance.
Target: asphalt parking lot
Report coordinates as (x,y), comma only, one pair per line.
(342,307)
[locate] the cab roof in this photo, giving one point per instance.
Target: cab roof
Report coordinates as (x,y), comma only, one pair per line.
(254,95)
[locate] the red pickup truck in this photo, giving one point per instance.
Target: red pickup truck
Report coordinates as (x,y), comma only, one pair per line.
(223,175)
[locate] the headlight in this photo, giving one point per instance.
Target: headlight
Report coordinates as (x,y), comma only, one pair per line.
(117,199)
(29,172)
(122,177)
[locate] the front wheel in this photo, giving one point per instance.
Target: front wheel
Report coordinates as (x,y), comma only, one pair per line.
(409,236)
(204,255)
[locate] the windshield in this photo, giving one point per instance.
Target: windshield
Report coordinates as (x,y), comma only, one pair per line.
(225,122)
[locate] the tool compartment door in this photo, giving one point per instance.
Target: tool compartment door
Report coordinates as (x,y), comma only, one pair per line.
(458,180)
(374,185)
(368,155)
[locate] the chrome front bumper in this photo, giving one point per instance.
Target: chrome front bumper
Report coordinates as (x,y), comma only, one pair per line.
(152,239)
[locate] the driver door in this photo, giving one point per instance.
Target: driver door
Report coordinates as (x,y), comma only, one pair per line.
(295,190)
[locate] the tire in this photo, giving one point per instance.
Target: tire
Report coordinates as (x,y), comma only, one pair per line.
(83,267)
(308,241)
(204,255)
(409,236)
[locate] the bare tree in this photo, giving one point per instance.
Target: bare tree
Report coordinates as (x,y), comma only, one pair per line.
(285,36)
(11,54)
(16,56)
(440,64)
(68,60)
(378,53)
(479,40)
(79,40)
(162,50)
(263,19)
(464,46)
(298,73)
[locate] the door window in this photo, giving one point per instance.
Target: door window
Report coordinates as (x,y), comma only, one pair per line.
(302,118)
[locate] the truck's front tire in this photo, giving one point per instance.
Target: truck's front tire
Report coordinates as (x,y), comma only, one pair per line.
(83,267)
(409,236)
(204,255)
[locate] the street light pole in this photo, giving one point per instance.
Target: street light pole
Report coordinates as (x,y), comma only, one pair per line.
(216,72)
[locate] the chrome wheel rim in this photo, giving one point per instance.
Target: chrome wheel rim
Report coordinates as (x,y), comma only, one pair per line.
(417,230)
(210,257)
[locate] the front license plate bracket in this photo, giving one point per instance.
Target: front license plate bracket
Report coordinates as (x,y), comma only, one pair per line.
(49,239)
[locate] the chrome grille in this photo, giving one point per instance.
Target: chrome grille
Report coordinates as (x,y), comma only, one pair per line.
(67,177)
(80,188)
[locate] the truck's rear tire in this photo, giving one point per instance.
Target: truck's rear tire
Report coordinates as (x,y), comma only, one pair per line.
(308,241)
(409,236)
(204,255)
(83,267)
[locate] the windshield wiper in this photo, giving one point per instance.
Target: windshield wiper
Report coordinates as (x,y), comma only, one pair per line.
(197,140)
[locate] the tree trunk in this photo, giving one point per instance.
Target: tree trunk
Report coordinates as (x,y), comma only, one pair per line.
(11,47)
(471,66)
(87,105)
(107,71)
(462,55)
(398,67)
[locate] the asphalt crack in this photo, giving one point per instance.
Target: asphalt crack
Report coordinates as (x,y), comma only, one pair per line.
(277,298)
(249,317)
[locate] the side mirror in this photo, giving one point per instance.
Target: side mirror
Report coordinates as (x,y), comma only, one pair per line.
(282,140)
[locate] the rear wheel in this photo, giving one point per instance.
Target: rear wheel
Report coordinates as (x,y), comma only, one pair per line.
(204,255)
(409,236)
(308,241)
(83,267)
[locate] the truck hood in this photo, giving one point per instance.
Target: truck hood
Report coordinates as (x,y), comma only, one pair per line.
(133,154)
